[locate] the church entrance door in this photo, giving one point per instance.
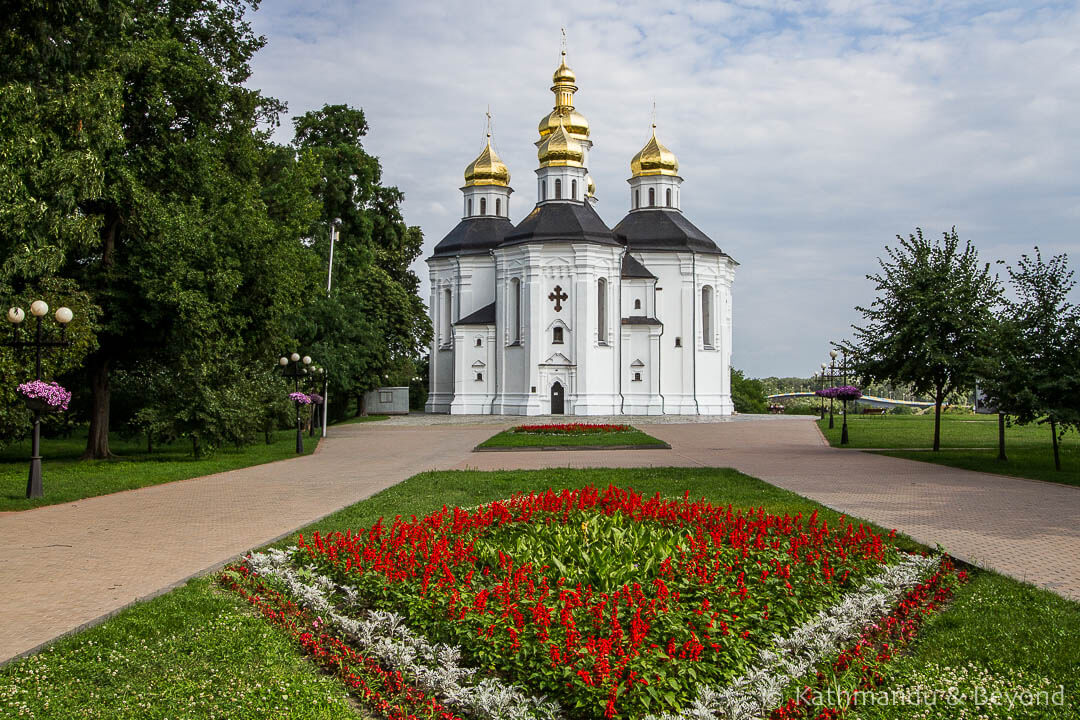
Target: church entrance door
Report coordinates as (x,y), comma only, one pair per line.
(557,405)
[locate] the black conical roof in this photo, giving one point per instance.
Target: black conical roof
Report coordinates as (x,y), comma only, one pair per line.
(474,236)
(569,221)
(663,229)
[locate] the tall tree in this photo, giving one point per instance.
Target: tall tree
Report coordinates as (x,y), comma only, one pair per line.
(169,229)
(929,324)
(374,317)
(1034,372)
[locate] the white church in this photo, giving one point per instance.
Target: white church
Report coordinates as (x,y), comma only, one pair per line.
(562,315)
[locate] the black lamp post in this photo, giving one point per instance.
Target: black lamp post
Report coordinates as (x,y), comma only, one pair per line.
(294,367)
(318,380)
(843,370)
(821,377)
(832,378)
(15,316)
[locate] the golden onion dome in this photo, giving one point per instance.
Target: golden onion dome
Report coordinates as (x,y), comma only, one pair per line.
(559,148)
(654,159)
(487,169)
(563,73)
(575,122)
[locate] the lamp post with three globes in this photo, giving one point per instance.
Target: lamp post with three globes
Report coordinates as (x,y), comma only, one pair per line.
(39,309)
(295,367)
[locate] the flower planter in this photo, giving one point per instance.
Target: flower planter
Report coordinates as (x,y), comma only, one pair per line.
(38,405)
(44,397)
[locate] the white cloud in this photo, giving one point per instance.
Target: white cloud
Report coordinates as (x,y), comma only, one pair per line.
(809,134)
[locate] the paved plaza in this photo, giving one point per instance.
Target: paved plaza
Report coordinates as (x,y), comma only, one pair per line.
(68,565)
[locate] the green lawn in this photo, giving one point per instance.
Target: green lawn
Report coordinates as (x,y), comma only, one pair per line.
(202,653)
(510,439)
(360,419)
(66,478)
(967,441)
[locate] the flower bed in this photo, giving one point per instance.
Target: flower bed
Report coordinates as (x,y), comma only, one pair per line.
(571,429)
(607,603)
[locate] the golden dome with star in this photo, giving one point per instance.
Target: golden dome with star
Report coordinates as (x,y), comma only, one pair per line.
(654,159)
(487,169)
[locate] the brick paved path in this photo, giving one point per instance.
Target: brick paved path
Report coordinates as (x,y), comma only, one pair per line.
(64,566)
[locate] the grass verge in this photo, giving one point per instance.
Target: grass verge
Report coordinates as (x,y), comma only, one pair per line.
(967,441)
(200,653)
(66,478)
(537,441)
(361,419)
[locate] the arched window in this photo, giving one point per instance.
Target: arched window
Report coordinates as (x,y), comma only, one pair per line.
(558,189)
(469,208)
(637,377)
(479,377)
(479,342)
(669,197)
(637,303)
(573,189)
(543,190)
(498,206)
(637,199)
(515,311)
(707,316)
(601,311)
(483,206)
(446,331)
(556,335)
(652,197)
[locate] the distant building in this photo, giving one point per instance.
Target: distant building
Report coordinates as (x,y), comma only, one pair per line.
(561,314)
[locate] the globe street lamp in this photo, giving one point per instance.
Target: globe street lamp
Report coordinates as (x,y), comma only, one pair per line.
(843,369)
(822,383)
(832,379)
(15,315)
(295,367)
(318,380)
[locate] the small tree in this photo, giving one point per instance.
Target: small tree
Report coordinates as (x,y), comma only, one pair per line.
(929,324)
(1037,358)
(747,394)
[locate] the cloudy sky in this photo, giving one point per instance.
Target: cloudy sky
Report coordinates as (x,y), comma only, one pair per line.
(809,134)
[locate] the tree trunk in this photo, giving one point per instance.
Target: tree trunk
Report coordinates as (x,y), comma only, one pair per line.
(1057,451)
(939,397)
(1001,438)
(97,441)
(149,442)
(361,404)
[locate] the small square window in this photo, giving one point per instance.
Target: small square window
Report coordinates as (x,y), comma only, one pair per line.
(479,377)
(637,377)
(557,336)
(386,396)
(678,342)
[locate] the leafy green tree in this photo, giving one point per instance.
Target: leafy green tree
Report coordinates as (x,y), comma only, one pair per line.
(929,324)
(374,318)
(747,394)
(1034,373)
(164,200)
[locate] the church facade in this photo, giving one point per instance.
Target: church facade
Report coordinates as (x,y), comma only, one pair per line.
(561,314)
